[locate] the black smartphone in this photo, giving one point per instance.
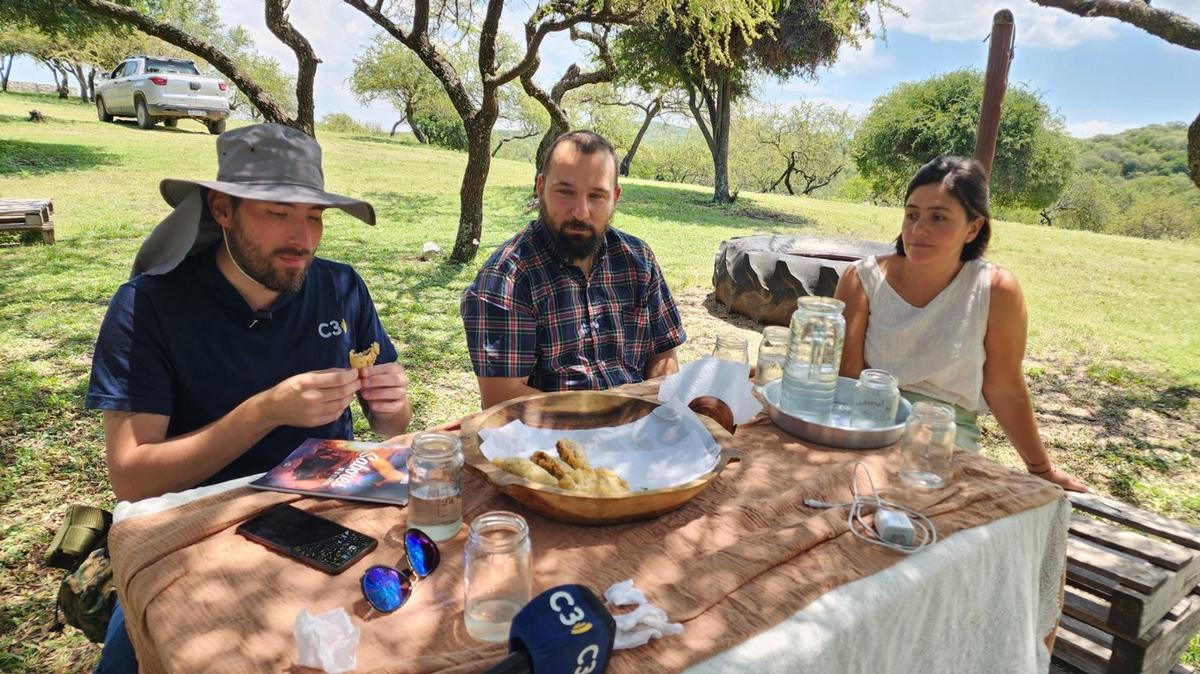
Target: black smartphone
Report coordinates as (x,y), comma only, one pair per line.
(307,538)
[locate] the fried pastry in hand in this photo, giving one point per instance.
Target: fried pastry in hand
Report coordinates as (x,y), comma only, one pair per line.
(364,358)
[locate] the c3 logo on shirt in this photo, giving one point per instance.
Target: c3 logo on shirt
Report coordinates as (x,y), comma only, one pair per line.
(332,328)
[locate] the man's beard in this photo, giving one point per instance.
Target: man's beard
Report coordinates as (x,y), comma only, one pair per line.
(573,245)
(257,264)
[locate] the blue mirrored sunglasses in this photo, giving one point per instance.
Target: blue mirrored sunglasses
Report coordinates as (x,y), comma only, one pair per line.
(386,588)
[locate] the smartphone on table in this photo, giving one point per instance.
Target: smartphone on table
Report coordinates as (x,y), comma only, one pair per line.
(307,538)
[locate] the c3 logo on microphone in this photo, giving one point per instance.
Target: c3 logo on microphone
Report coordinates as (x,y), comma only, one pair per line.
(332,328)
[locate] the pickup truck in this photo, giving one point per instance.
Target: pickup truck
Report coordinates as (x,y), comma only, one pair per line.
(150,88)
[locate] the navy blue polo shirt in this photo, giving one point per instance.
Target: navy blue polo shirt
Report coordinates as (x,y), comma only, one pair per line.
(182,344)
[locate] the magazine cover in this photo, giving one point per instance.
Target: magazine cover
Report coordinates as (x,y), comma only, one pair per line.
(358,471)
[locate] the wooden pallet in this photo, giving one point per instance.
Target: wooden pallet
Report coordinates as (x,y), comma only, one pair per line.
(28,214)
(1132,599)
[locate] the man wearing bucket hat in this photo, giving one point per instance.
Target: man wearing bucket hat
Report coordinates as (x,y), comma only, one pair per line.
(230,343)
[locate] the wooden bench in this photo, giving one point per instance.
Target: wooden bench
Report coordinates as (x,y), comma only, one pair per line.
(28,214)
(1132,599)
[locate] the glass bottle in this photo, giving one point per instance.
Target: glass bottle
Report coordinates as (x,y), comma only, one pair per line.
(435,462)
(772,354)
(810,374)
(732,347)
(876,398)
(927,445)
(498,574)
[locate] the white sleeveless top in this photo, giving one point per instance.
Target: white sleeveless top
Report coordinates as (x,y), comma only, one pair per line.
(936,350)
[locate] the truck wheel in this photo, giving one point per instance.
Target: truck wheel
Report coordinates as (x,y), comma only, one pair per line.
(101,111)
(144,119)
(216,127)
(171,122)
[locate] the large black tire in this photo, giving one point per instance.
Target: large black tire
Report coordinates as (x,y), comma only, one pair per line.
(216,127)
(170,122)
(144,119)
(101,111)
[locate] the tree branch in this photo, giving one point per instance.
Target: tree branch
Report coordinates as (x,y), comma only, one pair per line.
(1170,26)
(306,58)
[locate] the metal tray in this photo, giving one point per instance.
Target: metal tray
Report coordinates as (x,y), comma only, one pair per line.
(842,437)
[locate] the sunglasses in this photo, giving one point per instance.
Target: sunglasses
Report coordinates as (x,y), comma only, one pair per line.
(385,588)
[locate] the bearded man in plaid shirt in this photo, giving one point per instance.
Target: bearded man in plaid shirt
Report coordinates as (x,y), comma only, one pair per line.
(571,302)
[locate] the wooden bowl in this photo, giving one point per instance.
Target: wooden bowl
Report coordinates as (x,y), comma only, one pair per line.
(580,410)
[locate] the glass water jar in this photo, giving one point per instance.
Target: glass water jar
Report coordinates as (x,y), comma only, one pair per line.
(498,574)
(772,354)
(927,445)
(876,399)
(732,347)
(810,374)
(435,462)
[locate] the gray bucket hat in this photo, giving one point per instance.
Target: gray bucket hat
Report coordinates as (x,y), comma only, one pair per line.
(268,162)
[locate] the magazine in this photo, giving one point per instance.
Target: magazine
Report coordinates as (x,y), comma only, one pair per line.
(345,469)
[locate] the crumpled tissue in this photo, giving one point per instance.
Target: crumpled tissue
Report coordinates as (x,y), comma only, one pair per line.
(642,624)
(327,640)
(715,377)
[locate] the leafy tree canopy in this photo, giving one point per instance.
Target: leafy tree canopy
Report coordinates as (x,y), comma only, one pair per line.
(917,121)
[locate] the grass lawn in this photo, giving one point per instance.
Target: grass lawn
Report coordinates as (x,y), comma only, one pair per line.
(1114,353)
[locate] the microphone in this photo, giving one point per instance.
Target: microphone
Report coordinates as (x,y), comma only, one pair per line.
(260,316)
(564,630)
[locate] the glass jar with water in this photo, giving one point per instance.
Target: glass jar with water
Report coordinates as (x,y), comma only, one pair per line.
(498,574)
(876,399)
(772,354)
(810,374)
(927,447)
(435,462)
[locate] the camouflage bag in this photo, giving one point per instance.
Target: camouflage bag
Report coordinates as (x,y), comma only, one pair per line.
(87,596)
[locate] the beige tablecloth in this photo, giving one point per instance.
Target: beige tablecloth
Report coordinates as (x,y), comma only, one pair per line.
(739,558)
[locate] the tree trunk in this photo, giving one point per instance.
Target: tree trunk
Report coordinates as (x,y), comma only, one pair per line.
(92,82)
(651,113)
(418,132)
(81,77)
(479,163)
(558,126)
(721,141)
(5,70)
(1194,150)
(394,127)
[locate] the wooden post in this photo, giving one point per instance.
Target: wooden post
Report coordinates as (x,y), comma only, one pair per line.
(994,84)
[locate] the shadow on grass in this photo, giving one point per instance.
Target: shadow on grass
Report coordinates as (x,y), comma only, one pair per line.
(22,157)
(673,203)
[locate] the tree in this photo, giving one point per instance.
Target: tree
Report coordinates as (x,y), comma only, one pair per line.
(795,41)
(602,102)
(916,121)
(389,71)
(813,140)
(574,78)
(1170,26)
(413,26)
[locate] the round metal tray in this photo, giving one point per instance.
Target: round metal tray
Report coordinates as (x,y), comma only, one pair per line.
(842,437)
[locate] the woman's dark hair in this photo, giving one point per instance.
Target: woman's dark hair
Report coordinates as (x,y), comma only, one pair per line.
(968,182)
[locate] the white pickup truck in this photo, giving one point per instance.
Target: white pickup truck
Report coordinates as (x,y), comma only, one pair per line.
(151,88)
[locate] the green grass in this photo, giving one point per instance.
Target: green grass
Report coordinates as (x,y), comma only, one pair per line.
(1114,332)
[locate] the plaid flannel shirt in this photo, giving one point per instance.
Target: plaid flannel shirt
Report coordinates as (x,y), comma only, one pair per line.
(531,313)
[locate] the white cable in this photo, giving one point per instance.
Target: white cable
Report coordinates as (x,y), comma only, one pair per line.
(926,532)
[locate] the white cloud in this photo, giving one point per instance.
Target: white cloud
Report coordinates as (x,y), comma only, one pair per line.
(1036,26)
(1095,127)
(864,59)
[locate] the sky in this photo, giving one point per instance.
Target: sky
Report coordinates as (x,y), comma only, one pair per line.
(1099,75)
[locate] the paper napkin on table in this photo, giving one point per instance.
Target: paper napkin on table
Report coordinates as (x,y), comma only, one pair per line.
(715,377)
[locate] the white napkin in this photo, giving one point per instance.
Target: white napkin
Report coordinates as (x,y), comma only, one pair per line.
(715,377)
(327,640)
(668,447)
(643,623)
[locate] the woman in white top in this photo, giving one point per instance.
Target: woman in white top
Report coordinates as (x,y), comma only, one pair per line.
(948,324)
